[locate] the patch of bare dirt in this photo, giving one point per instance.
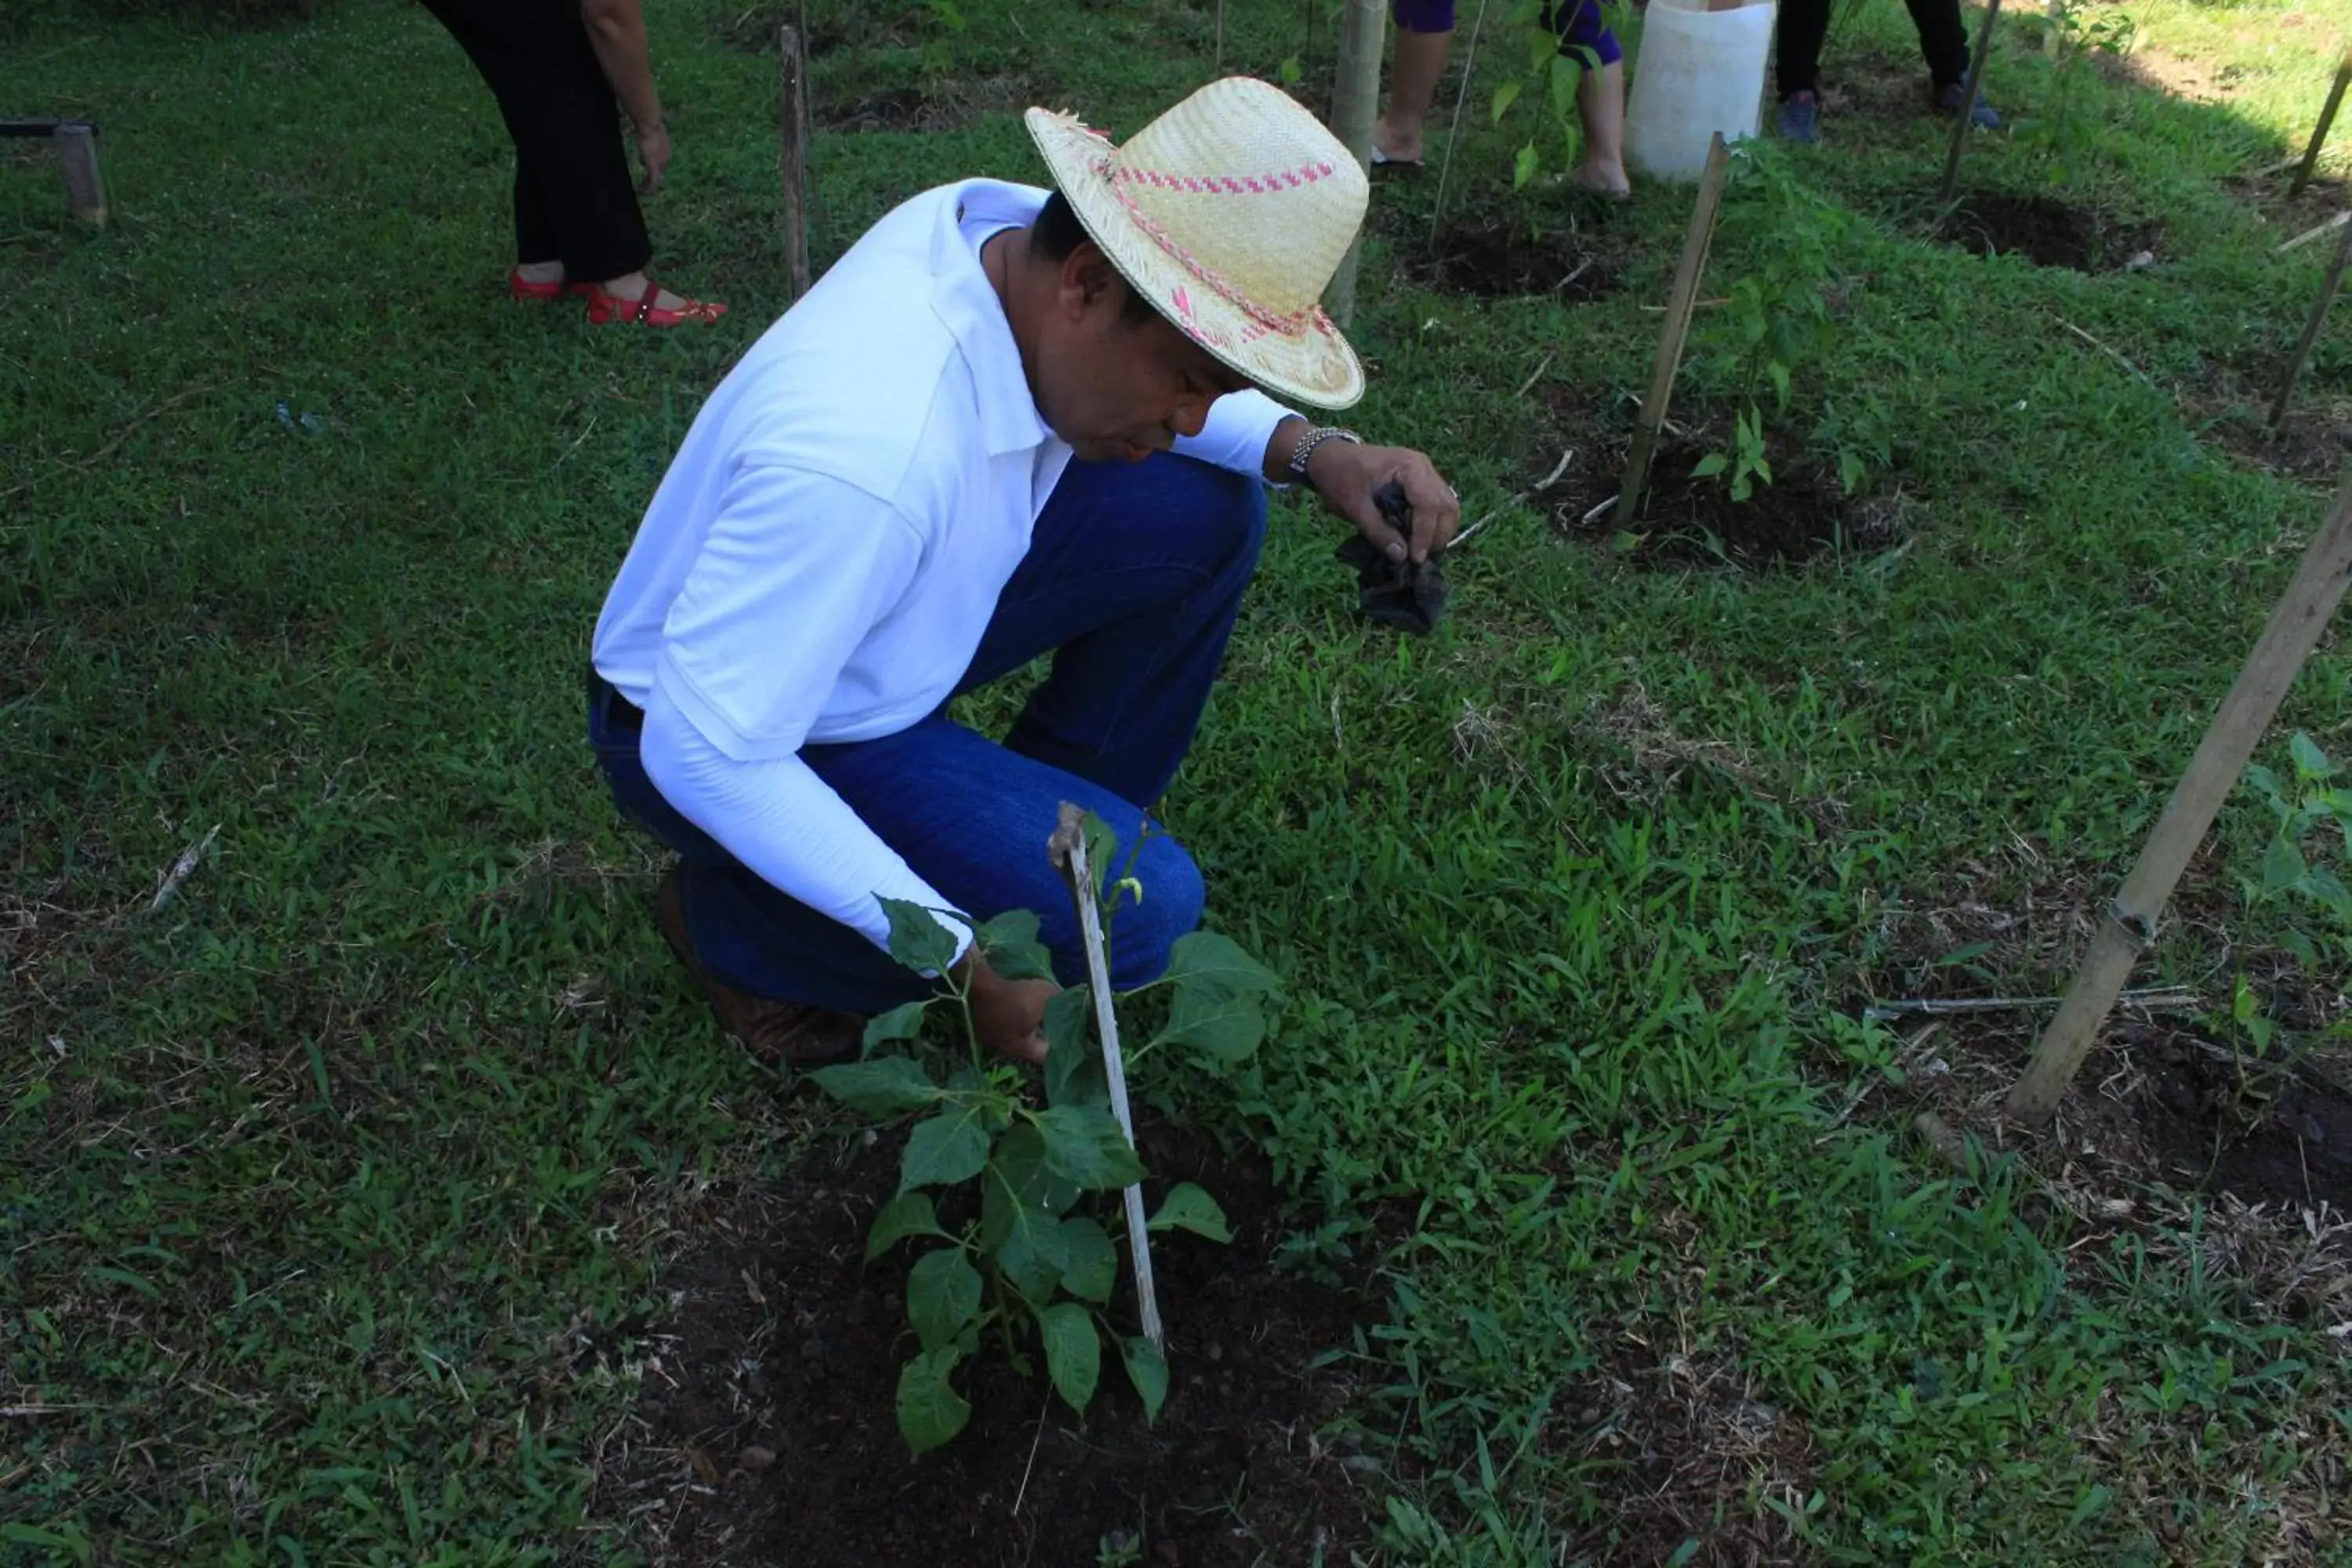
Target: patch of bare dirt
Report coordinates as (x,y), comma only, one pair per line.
(2047,231)
(1504,259)
(2230,408)
(1689,1455)
(766,1433)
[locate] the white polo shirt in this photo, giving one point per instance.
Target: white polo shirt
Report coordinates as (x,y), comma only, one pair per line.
(825,550)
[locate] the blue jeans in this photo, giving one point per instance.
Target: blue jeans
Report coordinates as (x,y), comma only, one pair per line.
(1133,578)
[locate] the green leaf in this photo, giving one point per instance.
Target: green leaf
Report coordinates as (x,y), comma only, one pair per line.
(1187,1207)
(942,1296)
(1851,471)
(1090,1263)
(1523,167)
(886,1086)
(930,1412)
(918,940)
(1073,1068)
(1014,952)
(1073,1352)
(1021,1206)
(1148,1370)
(1216,965)
(1505,96)
(898,1023)
(908,1214)
(2282,867)
(1083,1144)
(2310,763)
(948,1148)
(1709,465)
(1565,73)
(1225,1028)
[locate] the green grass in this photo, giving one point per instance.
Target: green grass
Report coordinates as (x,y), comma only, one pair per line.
(326,1188)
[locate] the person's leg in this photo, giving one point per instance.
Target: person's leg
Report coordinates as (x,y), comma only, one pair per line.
(487,39)
(1133,579)
(1943,40)
(1425,34)
(1804,25)
(970,817)
(1600,98)
(568,139)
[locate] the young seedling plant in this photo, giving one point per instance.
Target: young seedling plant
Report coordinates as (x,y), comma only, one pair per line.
(1777,318)
(1028,1265)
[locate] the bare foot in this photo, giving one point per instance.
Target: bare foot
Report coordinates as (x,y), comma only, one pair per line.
(539,271)
(1603,179)
(1396,148)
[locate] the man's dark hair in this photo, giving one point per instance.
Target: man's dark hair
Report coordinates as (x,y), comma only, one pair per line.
(1057,232)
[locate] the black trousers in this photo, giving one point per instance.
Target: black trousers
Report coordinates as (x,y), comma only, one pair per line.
(1804,24)
(575,200)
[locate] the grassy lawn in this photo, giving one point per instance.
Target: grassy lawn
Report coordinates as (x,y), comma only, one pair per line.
(339,1192)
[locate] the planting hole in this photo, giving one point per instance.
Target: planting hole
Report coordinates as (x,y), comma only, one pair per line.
(1504,261)
(1688,521)
(788,1397)
(2045,231)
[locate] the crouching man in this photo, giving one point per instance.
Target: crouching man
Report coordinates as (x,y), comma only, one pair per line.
(1008,423)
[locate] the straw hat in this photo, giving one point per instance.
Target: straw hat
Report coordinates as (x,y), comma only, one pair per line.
(1229,213)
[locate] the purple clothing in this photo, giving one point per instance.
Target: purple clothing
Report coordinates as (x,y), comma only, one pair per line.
(1584,29)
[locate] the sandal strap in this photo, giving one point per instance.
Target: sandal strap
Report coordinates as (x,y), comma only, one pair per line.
(645,302)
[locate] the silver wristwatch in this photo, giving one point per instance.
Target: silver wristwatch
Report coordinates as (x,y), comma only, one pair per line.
(1315,438)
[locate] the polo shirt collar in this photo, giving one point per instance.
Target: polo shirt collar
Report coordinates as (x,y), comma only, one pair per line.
(966,303)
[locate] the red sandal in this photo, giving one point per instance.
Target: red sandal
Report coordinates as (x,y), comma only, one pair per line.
(522,288)
(604,307)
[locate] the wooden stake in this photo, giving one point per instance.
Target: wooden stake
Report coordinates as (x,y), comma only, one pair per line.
(2311,328)
(1355,105)
(2307,235)
(1068,849)
(1445,170)
(1220,37)
(1688,272)
(2319,132)
(1968,107)
(77,145)
(2295,626)
(793,124)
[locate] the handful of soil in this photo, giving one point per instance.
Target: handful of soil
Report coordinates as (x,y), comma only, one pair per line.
(1396,593)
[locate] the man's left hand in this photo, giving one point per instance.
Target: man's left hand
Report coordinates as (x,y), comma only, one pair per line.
(1346,475)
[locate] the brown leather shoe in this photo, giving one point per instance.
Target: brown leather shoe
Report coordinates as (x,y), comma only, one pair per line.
(775,1031)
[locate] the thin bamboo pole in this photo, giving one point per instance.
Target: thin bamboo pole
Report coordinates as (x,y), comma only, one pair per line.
(793,130)
(77,145)
(2295,626)
(1445,170)
(1355,105)
(2319,309)
(2319,132)
(1969,108)
(1067,848)
(1687,273)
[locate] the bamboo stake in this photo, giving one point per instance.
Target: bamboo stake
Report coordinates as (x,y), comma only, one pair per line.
(1969,108)
(1445,170)
(1355,105)
(2053,38)
(1688,272)
(2307,235)
(2319,309)
(793,123)
(2295,626)
(2319,132)
(1068,849)
(77,145)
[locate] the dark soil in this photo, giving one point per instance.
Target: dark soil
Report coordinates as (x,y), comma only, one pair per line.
(777,1394)
(1687,521)
(884,109)
(1686,1450)
(1503,260)
(2046,231)
(2266,1135)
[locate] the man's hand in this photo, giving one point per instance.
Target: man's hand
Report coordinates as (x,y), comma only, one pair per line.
(653,152)
(1009,1014)
(1346,475)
